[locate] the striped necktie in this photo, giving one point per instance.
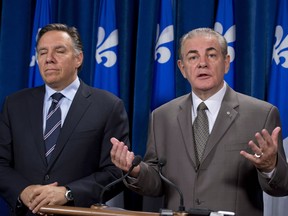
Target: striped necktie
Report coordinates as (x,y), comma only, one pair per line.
(201,130)
(53,125)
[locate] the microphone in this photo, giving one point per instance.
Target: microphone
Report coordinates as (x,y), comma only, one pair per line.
(190,212)
(161,164)
(136,161)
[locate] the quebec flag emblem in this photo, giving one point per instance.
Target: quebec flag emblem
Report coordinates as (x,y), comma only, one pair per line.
(225,25)
(106,69)
(278,96)
(164,68)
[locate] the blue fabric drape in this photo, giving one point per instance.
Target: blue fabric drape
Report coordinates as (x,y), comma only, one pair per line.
(278,95)
(163,88)
(41,18)
(107,70)
(137,27)
(225,25)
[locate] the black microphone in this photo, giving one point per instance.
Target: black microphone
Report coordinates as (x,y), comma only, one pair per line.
(136,161)
(161,164)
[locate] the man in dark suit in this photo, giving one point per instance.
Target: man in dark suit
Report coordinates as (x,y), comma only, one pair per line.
(243,154)
(79,164)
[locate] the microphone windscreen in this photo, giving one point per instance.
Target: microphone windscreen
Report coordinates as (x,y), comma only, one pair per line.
(136,161)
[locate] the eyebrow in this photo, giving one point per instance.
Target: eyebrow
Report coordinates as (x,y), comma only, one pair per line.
(211,48)
(56,47)
(196,51)
(191,52)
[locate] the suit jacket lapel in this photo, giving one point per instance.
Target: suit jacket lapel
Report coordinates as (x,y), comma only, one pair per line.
(185,123)
(78,107)
(225,118)
(35,115)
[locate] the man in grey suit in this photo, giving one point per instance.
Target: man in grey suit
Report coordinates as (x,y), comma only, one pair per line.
(80,163)
(243,154)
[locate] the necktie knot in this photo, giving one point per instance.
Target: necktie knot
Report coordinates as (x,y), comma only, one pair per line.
(56,97)
(202,106)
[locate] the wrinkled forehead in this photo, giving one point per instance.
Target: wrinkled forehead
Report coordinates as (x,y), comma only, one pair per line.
(200,43)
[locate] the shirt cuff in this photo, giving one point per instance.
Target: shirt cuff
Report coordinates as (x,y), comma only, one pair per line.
(268,174)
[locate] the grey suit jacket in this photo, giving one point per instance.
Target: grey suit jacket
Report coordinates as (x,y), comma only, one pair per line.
(81,159)
(225,180)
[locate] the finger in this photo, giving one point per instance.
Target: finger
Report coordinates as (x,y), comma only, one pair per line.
(275,134)
(260,140)
(113,150)
(254,147)
(35,192)
(54,184)
(248,156)
(113,140)
(33,205)
(129,158)
(39,205)
(122,155)
(118,154)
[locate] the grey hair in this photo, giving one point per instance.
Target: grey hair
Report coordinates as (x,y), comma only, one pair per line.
(203,32)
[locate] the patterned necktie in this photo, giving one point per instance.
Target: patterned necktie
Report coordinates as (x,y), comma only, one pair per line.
(53,125)
(201,130)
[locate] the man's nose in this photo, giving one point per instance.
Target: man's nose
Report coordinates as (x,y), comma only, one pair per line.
(202,63)
(49,58)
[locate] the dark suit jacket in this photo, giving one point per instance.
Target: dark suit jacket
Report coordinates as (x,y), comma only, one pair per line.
(225,179)
(81,159)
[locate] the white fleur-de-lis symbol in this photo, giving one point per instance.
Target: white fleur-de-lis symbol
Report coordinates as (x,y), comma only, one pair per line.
(33,61)
(33,57)
(230,36)
(162,53)
(280,48)
(103,46)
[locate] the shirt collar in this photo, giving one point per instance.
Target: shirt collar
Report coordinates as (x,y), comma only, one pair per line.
(213,103)
(69,92)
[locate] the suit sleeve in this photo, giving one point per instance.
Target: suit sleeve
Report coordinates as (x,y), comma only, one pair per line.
(11,182)
(278,184)
(88,189)
(148,182)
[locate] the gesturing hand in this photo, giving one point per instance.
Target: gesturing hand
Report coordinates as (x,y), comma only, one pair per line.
(265,153)
(122,157)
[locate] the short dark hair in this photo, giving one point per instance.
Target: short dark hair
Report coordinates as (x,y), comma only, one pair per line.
(71,31)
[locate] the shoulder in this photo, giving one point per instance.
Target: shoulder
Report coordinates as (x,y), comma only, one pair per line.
(98,96)
(26,95)
(176,104)
(252,102)
(243,101)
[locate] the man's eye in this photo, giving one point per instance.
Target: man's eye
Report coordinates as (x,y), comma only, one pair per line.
(212,55)
(192,57)
(60,51)
(42,53)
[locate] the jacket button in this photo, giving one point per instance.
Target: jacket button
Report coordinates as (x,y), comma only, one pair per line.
(47,177)
(198,202)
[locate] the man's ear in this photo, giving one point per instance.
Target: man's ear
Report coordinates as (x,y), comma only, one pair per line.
(227,63)
(181,68)
(79,59)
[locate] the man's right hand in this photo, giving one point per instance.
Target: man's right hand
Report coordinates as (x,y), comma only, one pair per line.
(122,157)
(36,196)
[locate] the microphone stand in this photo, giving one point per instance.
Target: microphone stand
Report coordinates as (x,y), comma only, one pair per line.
(181,204)
(136,161)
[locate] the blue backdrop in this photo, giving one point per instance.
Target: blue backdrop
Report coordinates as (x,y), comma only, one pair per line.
(136,41)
